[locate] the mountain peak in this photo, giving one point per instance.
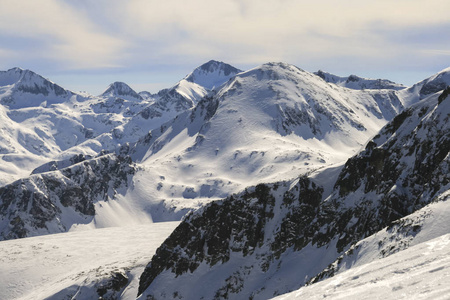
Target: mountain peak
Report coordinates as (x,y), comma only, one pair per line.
(16,74)
(212,74)
(122,90)
(28,82)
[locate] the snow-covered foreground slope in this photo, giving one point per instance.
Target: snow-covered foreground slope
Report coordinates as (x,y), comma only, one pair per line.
(77,265)
(420,272)
(419,227)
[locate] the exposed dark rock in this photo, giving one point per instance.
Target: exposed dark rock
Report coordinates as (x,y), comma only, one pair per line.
(35,204)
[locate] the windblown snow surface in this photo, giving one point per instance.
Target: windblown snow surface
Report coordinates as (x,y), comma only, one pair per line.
(73,265)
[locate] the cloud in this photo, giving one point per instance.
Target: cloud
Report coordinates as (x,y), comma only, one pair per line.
(286,30)
(64,34)
(437,52)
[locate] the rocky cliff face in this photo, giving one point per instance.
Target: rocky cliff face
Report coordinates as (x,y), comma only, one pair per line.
(359,83)
(273,238)
(51,202)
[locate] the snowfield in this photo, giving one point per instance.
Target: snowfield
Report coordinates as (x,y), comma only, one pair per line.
(69,265)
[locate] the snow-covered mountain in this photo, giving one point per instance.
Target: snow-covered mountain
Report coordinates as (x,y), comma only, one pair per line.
(125,158)
(197,84)
(359,83)
(270,123)
(273,238)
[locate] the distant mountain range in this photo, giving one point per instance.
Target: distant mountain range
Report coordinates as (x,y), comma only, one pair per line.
(277,174)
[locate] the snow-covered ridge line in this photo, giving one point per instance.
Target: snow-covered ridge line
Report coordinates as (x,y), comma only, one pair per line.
(358,83)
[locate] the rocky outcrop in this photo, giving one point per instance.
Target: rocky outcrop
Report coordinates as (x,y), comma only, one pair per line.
(51,202)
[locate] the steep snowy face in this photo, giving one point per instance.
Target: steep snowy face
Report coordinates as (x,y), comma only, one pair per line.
(212,74)
(427,87)
(24,88)
(359,83)
(182,96)
(267,239)
(121,90)
(435,83)
(298,102)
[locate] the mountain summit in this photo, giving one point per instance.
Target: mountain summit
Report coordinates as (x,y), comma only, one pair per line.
(212,74)
(121,90)
(24,88)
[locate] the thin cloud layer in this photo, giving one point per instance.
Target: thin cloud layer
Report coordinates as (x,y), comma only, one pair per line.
(57,33)
(137,35)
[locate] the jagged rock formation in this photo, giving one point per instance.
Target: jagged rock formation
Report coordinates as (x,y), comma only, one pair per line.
(359,83)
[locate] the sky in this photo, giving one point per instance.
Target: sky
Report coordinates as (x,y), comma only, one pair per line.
(84,45)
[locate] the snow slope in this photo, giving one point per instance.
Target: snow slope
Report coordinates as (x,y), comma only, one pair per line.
(78,264)
(420,272)
(417,228)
